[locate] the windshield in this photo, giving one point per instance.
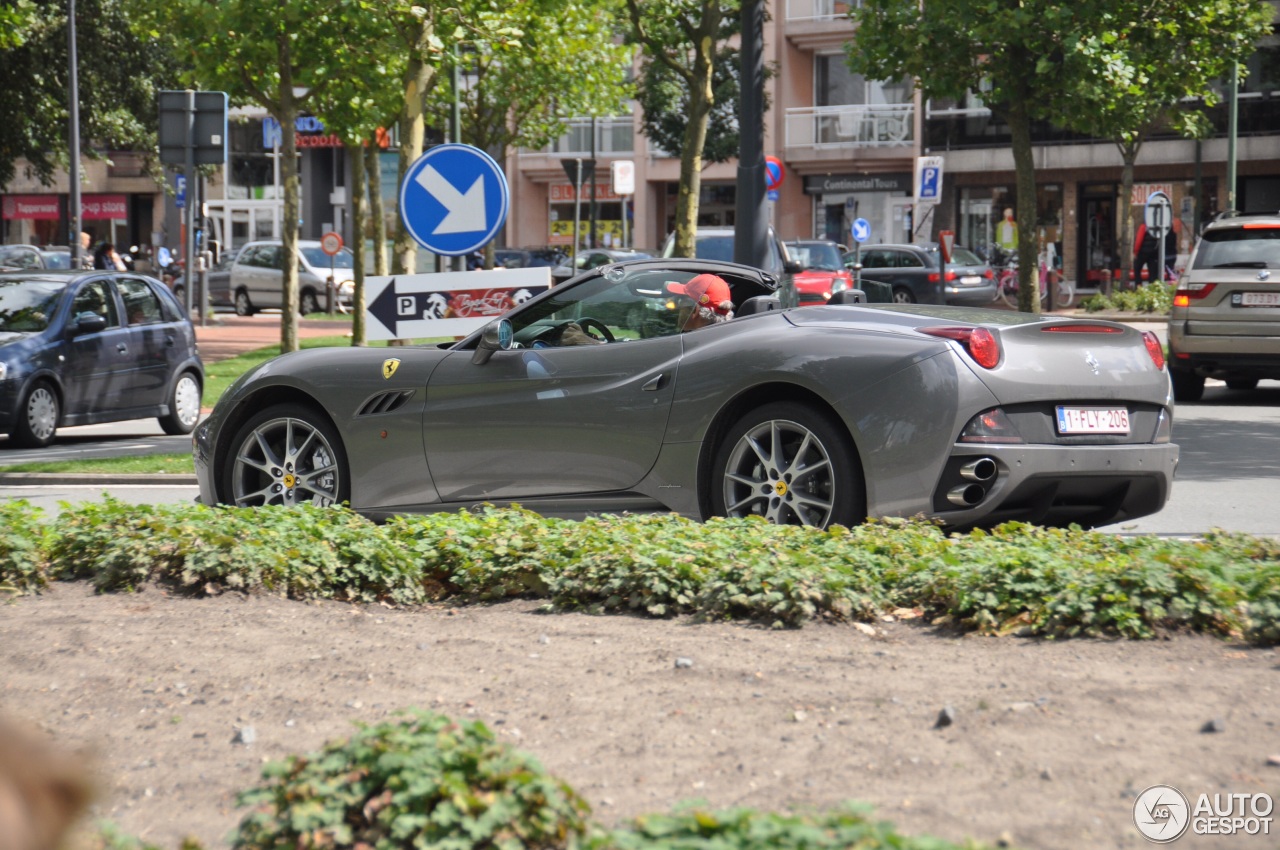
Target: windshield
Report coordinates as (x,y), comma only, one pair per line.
(26,306)
(1239,248)
(823,256)
(318,259)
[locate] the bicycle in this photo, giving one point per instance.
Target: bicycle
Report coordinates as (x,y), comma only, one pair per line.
(1007,287)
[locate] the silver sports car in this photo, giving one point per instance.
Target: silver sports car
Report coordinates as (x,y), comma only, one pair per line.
(639,387)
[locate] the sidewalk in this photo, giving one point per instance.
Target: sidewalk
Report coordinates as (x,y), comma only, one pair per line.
(227,334)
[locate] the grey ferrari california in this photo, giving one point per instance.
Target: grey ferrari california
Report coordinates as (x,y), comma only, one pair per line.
(686,386)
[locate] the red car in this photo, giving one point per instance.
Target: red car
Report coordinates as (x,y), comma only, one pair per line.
(824,270)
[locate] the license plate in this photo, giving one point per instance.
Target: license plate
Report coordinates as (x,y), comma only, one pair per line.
(1259,299)
(971,280)
(1093,420)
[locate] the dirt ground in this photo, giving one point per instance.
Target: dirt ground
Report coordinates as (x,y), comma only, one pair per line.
(181,701)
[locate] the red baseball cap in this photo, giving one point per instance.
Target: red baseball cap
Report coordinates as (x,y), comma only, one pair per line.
(708,290)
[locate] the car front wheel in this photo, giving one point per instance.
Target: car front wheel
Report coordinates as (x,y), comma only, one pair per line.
(37,420)
(288,454)
(184,406)
(791,464)
(244,307)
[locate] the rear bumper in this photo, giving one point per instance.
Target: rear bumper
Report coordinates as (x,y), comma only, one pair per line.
(1059,485)
(971,296)
(1220,355)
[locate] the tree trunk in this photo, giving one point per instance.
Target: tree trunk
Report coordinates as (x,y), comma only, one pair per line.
(359,216)
(1129,154)
(377,211)
(288,119)
(701,100)
(417,78)
(1025,199)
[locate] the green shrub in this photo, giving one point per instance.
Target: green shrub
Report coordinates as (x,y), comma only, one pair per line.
(744,829)
(24,566)
(421,781)
(1154,297)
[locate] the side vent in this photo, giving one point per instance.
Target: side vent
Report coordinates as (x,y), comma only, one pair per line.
(385,402)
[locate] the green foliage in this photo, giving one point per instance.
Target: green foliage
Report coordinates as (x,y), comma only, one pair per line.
(1016,578)
(664,100)
(23,543)
(1148,298)
(695,828)
(421,781)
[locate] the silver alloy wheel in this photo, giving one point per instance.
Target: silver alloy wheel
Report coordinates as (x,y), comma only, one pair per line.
(308,304)
(42,413)
(781,471)
(244,307)
(285,461)
(186,401)
(902,296)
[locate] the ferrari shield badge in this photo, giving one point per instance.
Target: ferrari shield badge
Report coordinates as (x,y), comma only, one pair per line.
(389,367)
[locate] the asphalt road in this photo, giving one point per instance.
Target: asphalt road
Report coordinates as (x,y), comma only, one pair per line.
(1228,476)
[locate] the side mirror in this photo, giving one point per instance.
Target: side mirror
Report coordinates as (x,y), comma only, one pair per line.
(848,296)
(496,336)
(792,267)
(90,323)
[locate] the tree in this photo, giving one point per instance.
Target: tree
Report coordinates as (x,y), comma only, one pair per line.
(119,74)
(567,62)
(686,36)
(1129,87)
(1013,52)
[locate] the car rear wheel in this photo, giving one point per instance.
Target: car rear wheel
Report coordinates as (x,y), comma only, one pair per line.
(37,420)
(308,303)
(288,454)
(244,307)
(184,406)
(791,464)
(902,295)
(1187,386)
(1242,384)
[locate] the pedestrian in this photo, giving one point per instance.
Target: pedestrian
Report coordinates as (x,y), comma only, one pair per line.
(107,258)
(1147,253)
(86,250)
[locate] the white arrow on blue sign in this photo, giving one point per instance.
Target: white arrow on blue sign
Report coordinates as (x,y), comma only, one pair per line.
(860,230)
(454,199)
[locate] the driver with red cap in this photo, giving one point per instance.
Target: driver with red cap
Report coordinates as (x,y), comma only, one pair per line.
(712,300)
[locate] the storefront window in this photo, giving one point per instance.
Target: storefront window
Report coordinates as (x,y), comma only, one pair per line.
(988,221)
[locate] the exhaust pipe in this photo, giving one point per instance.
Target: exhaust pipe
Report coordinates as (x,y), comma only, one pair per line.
(966,495)
(983,469)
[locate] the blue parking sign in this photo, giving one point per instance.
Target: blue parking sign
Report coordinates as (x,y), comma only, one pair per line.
(454,199)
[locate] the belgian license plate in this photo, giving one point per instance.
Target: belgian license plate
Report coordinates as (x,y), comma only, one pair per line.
(971,280)
(1093,420)
(1260,299)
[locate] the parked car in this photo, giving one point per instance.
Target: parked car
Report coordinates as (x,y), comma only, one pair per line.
(717,243)
(24,257)
(589,397)
(79,348)
(1225,320)
(823,272)
(594,258)
(219,281)
(916,273)
(526,258)
(257,277)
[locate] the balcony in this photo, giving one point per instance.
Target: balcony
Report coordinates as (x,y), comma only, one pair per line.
(612,136)
(850,126)
(806,11)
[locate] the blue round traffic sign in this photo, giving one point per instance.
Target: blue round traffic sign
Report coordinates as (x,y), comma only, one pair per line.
(454,199)
(860,230)
(774,173)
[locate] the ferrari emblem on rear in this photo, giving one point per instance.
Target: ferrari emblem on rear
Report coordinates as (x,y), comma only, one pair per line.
(389,367)
(1092,362)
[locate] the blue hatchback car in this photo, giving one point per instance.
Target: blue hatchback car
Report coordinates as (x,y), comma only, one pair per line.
(79,348)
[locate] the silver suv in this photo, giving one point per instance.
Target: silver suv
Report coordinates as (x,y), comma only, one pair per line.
(1225,321)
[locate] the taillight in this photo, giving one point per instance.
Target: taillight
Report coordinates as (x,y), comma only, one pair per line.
(990,426)
(1083,328)
(981,344)
(1191,292)
(989,274)
(1154,348)
(934,277)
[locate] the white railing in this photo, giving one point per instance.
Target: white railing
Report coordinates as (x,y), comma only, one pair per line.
(819,10)
(613,136)
(855,126)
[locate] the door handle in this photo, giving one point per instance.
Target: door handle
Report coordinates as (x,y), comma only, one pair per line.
(655,383)
(122,348)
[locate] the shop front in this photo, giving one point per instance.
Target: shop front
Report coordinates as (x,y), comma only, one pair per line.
(43,219)
(566,206)
(884,200)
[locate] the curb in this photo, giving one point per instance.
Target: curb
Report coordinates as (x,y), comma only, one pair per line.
(11,479)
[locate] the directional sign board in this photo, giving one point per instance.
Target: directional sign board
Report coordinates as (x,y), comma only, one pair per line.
(860,230)
(454,199)
(422,306)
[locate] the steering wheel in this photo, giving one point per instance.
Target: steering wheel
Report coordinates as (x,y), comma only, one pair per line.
(588,324)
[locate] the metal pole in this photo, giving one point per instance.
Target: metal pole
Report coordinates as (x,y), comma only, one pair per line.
(751,231)
(73,79)
(594,243)
(626,237)
(459,263)
(189,211)
(577,213)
